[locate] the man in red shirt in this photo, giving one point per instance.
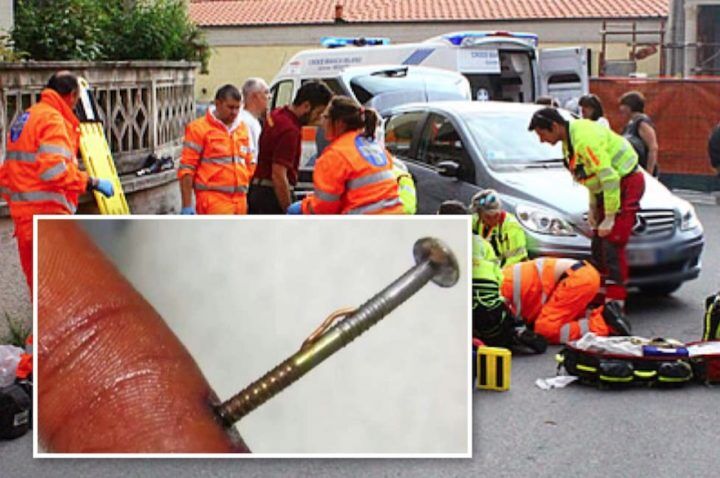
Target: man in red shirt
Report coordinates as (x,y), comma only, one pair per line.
(280,143)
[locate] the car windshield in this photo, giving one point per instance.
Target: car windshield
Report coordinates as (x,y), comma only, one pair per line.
(504,139)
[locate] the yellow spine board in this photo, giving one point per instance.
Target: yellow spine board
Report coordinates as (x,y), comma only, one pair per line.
(99,163)
(493,368)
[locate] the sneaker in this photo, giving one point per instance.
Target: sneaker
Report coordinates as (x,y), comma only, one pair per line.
(612,313)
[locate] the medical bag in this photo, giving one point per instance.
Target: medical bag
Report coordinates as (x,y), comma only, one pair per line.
(705,360)
(711,325)
(655,363)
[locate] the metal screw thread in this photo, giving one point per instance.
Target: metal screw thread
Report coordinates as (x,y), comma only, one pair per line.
(375,309)
(260,391)
(339,335)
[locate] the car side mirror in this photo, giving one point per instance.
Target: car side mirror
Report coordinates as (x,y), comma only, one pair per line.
(449,169)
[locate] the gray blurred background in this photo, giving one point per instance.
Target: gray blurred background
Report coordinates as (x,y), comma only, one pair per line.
(243,294)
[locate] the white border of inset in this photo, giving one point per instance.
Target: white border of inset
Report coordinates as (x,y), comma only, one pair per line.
(468,286)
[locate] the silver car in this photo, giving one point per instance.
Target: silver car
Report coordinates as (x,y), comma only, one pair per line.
(453,149)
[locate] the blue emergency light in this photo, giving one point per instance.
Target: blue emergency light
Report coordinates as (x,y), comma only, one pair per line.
(458,38)
(336,42)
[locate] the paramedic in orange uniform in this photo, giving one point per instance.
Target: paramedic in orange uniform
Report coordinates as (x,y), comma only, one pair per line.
(354,175)
(552,295)
(40,174)
(217,160)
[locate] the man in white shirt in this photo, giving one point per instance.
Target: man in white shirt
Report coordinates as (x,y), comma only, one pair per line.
(256,95)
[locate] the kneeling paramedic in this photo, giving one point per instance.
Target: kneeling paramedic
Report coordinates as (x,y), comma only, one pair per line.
(40,174)
(607,165)
(354,174)
(493,322)
(217,160)
(552,295)
(499,227)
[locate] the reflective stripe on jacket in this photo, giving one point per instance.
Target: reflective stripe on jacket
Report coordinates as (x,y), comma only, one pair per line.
(40,172)
(507,238)
(353,176)
(528,285)
(486,274)
(217,157)
(598,158)
(406,189)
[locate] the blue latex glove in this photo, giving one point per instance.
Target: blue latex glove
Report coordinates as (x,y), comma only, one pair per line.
(187,211)
(295,208)
(104,186)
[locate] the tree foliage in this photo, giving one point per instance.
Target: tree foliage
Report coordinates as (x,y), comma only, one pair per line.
(60,30)
(110,30)
(7,49)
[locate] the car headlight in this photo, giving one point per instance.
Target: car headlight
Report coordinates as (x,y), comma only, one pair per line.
(543,221)
(688,218)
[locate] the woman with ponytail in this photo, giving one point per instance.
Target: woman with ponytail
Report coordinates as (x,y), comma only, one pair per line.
(354,173)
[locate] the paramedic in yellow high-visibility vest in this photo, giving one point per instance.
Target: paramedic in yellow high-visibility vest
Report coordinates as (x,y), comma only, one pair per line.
(500,228)
(607,165)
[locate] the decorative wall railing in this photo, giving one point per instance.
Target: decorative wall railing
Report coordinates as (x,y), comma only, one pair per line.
(144,106)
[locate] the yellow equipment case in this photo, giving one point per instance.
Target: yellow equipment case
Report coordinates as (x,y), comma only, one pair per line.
(493,368)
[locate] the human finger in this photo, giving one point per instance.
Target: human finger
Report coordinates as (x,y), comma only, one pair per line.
(112,376)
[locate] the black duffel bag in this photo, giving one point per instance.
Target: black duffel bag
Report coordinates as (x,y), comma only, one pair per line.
(15,407)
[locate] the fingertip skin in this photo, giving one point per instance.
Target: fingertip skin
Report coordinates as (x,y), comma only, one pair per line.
(112,377)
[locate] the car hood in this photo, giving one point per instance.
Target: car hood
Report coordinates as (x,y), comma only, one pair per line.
(553,187)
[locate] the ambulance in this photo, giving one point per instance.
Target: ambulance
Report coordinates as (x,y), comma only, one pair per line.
(499,65)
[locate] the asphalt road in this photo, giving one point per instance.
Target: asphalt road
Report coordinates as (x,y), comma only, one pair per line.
(524,432)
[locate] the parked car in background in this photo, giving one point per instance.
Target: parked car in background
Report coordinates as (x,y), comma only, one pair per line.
(378,86)
(454,149)
(201,108)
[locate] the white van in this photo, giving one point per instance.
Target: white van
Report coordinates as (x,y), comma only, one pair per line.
(378,85)
(500,66)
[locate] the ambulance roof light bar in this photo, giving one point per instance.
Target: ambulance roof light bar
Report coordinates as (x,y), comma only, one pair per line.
(336,42)
(459,37)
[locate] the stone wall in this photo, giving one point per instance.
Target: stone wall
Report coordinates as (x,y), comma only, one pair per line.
(144,107)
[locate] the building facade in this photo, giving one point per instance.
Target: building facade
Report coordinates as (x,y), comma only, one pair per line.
(694,34)
(248,39)
(6,15)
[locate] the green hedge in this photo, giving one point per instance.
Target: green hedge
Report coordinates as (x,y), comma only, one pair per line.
(110,30)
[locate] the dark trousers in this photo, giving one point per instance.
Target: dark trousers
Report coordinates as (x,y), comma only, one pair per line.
(262,200)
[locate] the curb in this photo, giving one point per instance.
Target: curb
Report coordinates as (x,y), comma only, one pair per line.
(699,197)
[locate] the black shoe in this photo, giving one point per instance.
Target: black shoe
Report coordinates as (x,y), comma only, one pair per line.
(612,313)
(166,163)
(528,338)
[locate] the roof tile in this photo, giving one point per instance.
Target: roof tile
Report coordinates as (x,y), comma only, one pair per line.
(278,12)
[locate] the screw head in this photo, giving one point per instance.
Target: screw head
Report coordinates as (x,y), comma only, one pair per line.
(439,254)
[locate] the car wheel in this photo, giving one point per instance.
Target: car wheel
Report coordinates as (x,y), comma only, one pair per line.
(660,289)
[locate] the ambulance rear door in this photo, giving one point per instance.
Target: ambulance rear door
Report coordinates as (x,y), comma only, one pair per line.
(564,74)
(499,69)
